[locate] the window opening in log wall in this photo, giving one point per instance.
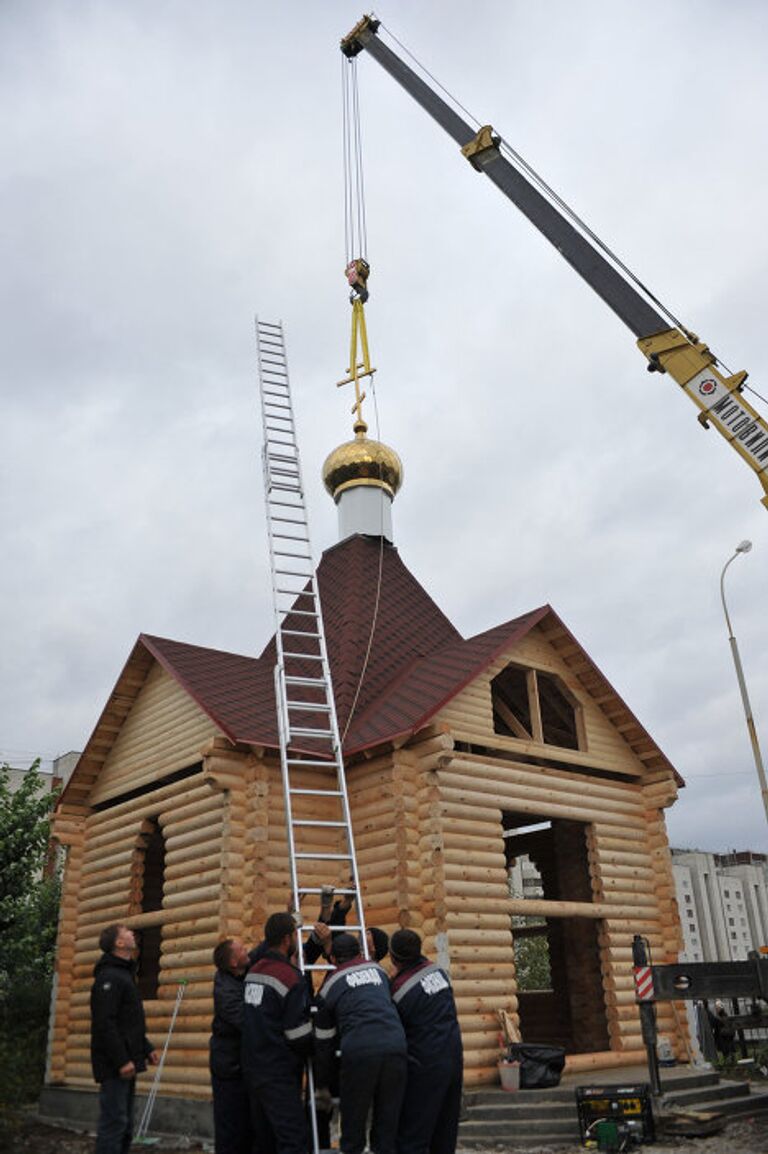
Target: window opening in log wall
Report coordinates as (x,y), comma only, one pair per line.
(149,877)
(536,706)
(560,993)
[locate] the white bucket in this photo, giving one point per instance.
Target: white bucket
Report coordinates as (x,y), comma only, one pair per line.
(509,1072)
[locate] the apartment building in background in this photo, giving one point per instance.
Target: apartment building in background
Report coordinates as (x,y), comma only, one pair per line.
(723,904)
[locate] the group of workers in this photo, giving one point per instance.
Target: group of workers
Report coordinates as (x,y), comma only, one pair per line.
(385,1046)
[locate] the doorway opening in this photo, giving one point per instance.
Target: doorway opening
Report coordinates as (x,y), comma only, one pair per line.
(560,991)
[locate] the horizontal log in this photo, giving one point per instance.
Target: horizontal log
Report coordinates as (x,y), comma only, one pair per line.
(191,837)
(103,825)
(538,805)
(465,952)
(617,793)
(480,812)
(467,1006)
(203,897)
(604,1060)
(175,856)
(467,857)
(453,829)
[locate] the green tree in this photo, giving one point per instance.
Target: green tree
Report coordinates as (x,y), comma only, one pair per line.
(29,902)
(532,962)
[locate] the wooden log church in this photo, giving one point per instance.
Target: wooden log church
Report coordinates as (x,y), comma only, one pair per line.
(463,756)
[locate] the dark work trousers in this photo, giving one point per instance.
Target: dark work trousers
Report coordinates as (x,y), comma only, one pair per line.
(371,1081)
(115,1129)
(278,1117)
(231,1116)
(429,1119)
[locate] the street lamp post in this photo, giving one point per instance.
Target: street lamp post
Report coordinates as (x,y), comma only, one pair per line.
(744,547)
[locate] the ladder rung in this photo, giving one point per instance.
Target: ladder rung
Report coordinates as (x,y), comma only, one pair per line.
(324,824)
(299,612)
(347,929)
(292,573)
(315,792)
(287,505)
(305,682)
(289,537)
(297,556)
(293,593)
(318,966)
(305,731)
(303,656)
(298,633)
(308,706)
(323,856)
(319,890)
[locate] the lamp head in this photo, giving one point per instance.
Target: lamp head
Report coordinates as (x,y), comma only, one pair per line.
(744,547)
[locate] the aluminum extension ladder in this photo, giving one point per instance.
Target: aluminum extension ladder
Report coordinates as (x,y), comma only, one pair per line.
(306,711)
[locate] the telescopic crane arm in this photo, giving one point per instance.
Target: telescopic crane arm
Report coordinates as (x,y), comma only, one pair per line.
(668,350)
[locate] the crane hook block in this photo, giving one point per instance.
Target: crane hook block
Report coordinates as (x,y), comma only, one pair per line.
(485,141)
(357,273)
(351,44)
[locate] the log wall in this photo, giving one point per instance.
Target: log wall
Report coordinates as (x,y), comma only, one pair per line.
(164,731)
(428,822)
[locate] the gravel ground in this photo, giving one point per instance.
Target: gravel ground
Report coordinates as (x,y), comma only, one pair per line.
(743,1136)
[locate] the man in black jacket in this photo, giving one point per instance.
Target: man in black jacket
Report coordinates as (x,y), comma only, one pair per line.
(422,993)
(231,1108)
(356,1014)
(120,1048)
(277,1036)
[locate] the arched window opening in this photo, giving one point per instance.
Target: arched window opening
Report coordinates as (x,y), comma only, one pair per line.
(535,706)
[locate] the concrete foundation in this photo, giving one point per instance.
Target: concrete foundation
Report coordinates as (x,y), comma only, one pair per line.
(186,1117)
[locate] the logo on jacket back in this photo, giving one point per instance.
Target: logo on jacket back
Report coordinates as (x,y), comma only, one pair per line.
(364,978)
(433,983)
(254,993)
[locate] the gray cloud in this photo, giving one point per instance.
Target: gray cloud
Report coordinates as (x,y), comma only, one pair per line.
(168,171)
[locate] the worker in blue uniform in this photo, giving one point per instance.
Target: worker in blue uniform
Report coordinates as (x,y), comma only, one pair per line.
(422,994)
(356,1015)
(277,1037)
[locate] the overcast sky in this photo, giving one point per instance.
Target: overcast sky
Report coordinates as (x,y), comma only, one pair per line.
(167,169)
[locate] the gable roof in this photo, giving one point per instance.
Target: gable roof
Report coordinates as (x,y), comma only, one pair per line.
(417,662)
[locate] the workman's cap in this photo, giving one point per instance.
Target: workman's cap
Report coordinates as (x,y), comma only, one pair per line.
(405,946)
(345,947)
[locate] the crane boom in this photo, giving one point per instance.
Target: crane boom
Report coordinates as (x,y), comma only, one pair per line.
(671,350)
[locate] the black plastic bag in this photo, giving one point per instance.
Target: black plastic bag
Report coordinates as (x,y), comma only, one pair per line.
(540,1066)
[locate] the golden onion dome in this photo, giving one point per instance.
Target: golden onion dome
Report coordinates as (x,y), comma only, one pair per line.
(362,462)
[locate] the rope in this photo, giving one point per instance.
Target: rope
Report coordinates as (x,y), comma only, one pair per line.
(379,583)
(355,224)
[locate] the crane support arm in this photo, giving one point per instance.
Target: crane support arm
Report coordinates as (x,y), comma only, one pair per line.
(669,350)
(481,149)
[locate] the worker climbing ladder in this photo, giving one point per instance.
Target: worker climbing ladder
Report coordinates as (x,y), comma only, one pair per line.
(306,712)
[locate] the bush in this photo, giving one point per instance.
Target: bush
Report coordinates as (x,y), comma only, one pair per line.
(29,902)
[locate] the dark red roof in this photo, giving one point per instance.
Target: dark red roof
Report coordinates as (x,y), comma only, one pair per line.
(417,658)
(417,662)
